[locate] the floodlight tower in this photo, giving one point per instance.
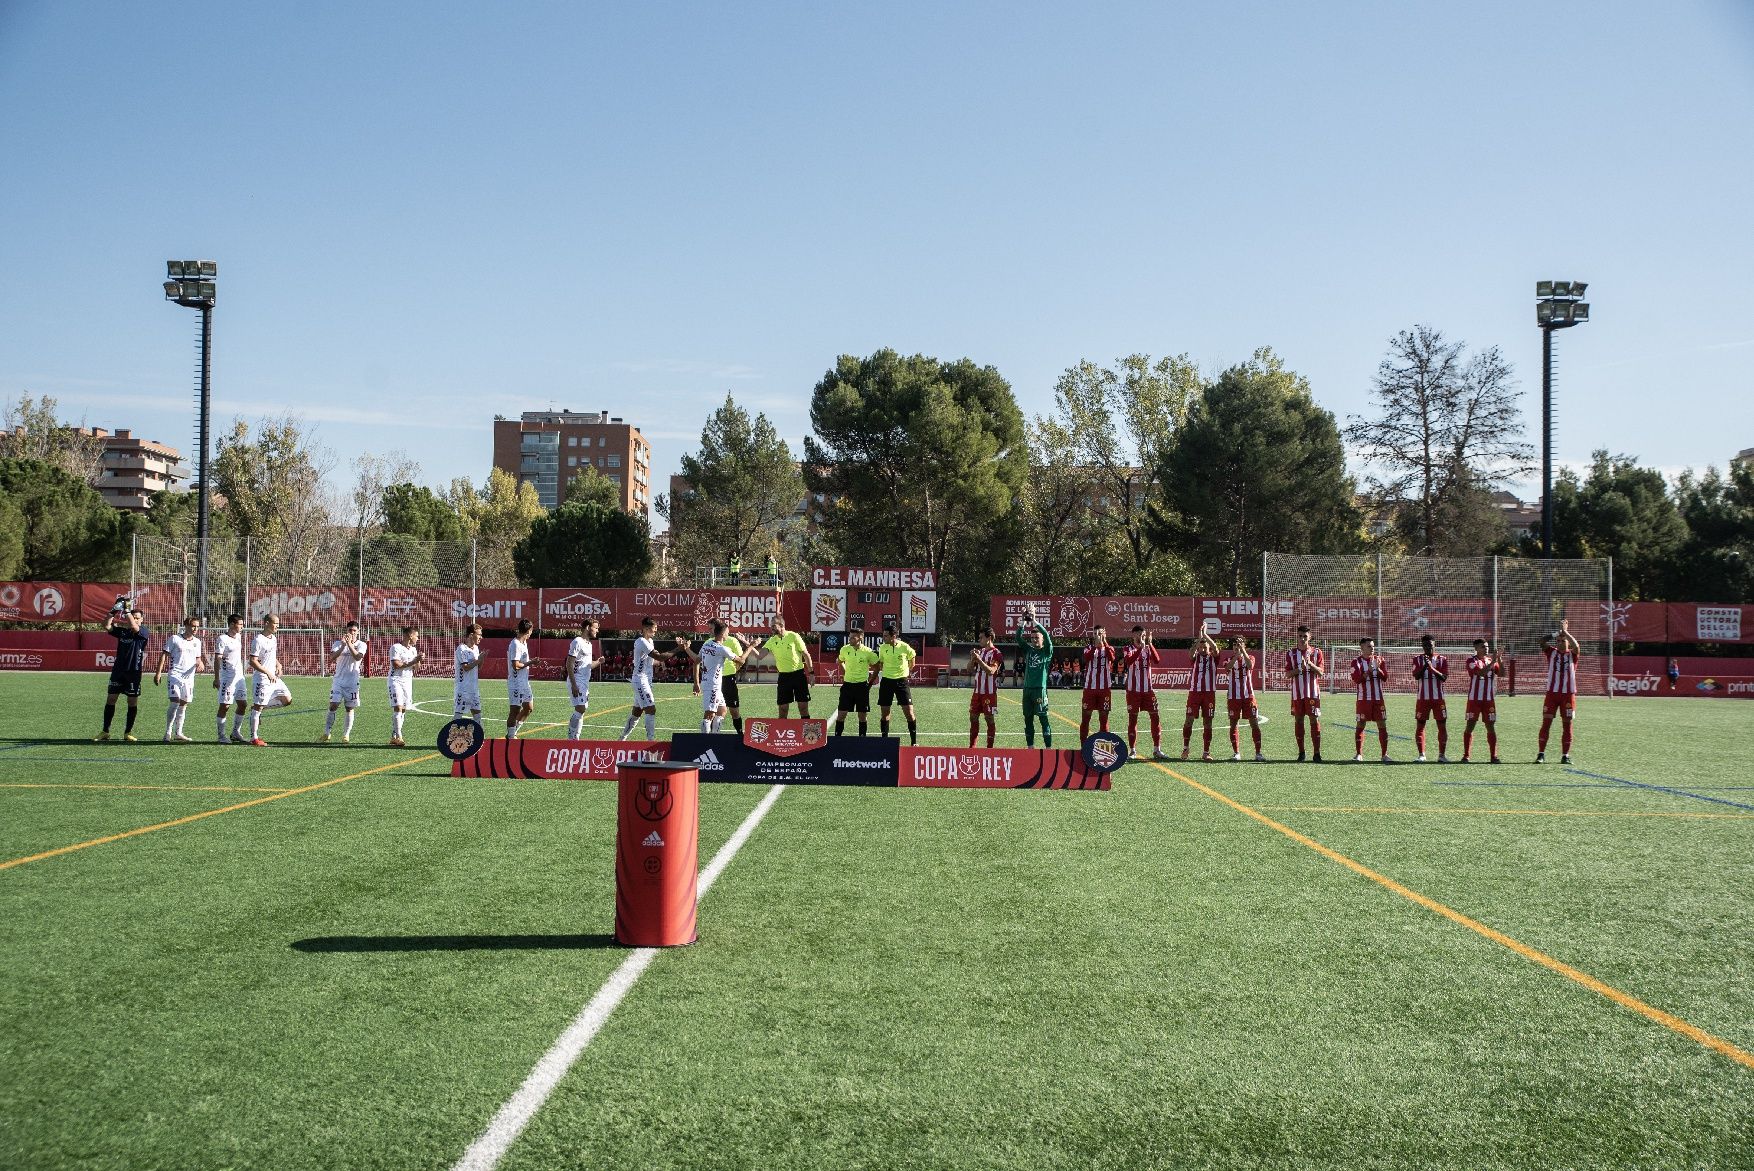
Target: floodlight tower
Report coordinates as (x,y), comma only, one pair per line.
(1558,305)
(190,283)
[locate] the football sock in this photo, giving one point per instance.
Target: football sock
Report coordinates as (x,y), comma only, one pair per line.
(572,726)
(347,728)
(182,714)
(109,714)
(1156,729)
(1315,735)
(883,725)
(718,723)
(170,720)
(627,729)
(1358,740)
(1256,728)
(1029,731)
(1565,739)
(651,725)
(396,722)
(1541,744)
(1047,735)
(1298,729)
(706,724)
(974,727)
(991,732)
(737,723)
(237,721)
(862,727)
(1084,726)
(221,723)
(913,732)
(329,722)
(1419,739)
(511,730)
(1206,738)
(255,724)
(1382,738)
(1467,742)
(1235,745)
(1102,720)
(1187,734)
(1492,739)
(133,714)
(1442,738)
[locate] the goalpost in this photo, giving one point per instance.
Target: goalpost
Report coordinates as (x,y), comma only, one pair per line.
(1396,599)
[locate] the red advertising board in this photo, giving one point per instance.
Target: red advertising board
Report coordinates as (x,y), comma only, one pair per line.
(859,577)
(997,768)
(1703,622)
(1075,616)
(40,601)
(1637,621)
(556,760)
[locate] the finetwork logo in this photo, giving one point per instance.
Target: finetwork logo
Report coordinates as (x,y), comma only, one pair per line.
(653,840)
(709,761)
(839,763)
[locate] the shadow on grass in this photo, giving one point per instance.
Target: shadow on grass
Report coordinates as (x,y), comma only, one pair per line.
(381,943)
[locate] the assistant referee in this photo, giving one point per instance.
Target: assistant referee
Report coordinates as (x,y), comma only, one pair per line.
(791,658)
(895,662)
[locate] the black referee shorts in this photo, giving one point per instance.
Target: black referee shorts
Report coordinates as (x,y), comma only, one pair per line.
(855,697)
(728,689)
(893,691)
(128,684)
(794,687)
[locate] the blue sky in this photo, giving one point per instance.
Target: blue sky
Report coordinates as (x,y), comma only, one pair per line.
(426,214)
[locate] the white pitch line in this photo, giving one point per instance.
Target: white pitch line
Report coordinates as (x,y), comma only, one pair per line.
(486,1152)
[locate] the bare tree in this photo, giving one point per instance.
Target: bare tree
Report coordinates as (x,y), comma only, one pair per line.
(29,429)
(371,475)
(1446,427)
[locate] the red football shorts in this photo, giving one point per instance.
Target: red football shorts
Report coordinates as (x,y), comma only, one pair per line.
(1241,709)
(1200,703)
(1371,709)
(1306,707)
(1484,708)
(1559,703)
(978,704)
(1141,701)
(1097,701)
(1430,709)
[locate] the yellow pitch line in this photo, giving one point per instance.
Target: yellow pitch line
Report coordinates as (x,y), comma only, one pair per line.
(1503,812)
(1624,1000)
(146,829)
(159,788)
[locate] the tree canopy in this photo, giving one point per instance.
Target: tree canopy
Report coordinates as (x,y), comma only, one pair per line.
(584,544)
(66,531)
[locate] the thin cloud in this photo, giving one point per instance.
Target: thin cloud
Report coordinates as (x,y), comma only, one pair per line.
(313,412)
(684,366)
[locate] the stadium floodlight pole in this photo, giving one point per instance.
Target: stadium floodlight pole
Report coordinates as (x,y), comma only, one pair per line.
(190,283)
(1558,305)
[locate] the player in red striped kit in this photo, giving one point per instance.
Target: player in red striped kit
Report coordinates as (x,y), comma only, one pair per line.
(1370,672)
(1562,651)
(1430,671)
(1305,666)
(1202,691)
(1240,668)
(1100,660)
(1483,672)
(1136,663)
(984,664)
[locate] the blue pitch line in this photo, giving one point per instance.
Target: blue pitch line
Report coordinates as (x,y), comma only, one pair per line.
(1662,789)
(83,760)
(26,744)
(1522,784)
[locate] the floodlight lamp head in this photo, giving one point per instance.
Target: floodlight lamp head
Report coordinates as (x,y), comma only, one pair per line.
(1580,311)
(1544,313)
(1577,288)
(209,269)
(172,290)
(1562,288)
(1543,289)
(173,269)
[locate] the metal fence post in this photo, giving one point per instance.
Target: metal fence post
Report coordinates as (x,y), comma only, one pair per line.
(246,610)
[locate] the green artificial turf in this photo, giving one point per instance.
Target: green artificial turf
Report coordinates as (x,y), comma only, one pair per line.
(360,974)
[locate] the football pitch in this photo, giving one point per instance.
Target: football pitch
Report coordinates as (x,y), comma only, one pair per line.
(316,956)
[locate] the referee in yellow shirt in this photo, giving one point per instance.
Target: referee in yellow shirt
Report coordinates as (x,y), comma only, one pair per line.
(856,661)
(791,658)
(895,659)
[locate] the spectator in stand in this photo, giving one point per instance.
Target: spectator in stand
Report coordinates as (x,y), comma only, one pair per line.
(1674,672)
(1054,674)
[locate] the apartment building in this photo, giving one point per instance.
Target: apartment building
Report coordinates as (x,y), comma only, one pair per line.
(548,448)
(133,469)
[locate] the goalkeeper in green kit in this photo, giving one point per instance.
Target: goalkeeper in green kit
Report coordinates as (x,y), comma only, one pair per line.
(1035,651)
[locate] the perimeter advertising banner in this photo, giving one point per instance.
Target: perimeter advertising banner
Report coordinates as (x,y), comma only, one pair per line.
(555,760)
(844,760)
(1075,616)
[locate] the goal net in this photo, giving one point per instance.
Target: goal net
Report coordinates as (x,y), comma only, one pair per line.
(1398,600)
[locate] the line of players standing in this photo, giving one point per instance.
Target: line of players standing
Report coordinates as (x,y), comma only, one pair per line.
(1306,668)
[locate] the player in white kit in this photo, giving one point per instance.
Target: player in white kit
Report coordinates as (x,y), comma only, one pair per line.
(579,665)
(230,679)
(466,675)
(347,657)
(270,689)
(520,696)
(644,703)
(185,655)
(709,668)
(400,681)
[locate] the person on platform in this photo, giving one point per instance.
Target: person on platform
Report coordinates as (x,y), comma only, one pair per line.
(1305,666)
(736,568)
(772,570)
(231,680)
(1369,673)
(347,660)
(126,627)
(1035,653)
(1202,692)
(1484,670)
(856,663)
(1100,661)
(1240,696)
(184,654)
(1430,672)
(895,666)
(985,663)
(1562,652)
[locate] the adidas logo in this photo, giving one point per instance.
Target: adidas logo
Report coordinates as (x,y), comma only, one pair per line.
(652,839)
(709,760)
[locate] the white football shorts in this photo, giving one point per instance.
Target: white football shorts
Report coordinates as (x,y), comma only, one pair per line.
(181,688)
(712,699)
(234,687)
(345,694)
(642,693)
(466,701)
(401,692)
(580,692)
(275,694)
(518,694)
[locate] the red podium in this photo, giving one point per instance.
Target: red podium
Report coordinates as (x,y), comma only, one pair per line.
(657,847)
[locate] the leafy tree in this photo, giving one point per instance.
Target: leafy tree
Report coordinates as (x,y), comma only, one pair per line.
(173,515)
(1716,564)
(740,494)
(13,565)
(498,517)
(585,544)
(1623,511)
(372,475)
(31,429)
(592,487)
(919,463)
(393,558)
(1256,467)
(1120,420)
(1447,426)
(414,510)
(273,484)
(1054,513)
(66,531)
